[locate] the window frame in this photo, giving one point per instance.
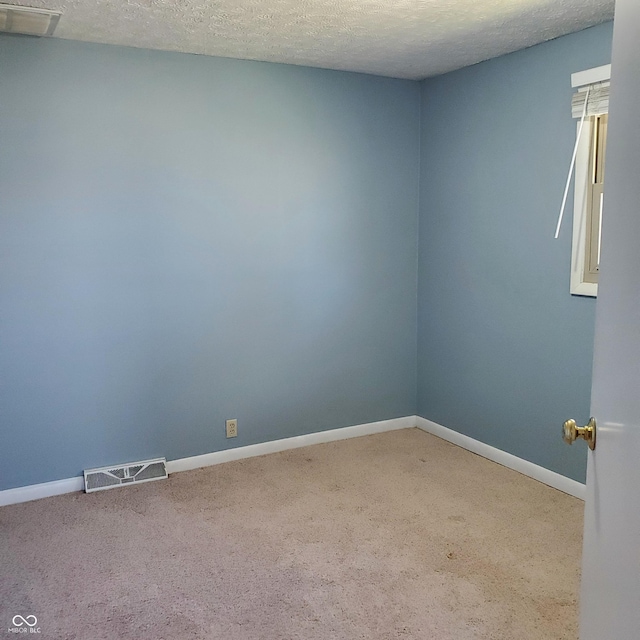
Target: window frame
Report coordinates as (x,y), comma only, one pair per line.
(582,216)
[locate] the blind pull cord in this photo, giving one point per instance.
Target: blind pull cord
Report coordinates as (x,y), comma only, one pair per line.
(573,163)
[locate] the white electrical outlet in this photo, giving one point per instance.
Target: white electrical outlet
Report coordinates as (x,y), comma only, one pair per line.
(232,428)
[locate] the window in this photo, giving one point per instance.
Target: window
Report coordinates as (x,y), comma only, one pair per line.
(590,161)
(595,197)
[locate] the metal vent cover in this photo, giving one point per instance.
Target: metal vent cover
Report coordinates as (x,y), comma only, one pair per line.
(28,21)
(131,473)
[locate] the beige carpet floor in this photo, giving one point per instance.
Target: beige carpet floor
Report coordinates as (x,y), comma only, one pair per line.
(396,535)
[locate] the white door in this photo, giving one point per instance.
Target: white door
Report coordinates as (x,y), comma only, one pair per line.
(610,598)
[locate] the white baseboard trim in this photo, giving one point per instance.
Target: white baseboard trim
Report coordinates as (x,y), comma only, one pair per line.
(551,478)
(43,490)
(263,448)
(69,485)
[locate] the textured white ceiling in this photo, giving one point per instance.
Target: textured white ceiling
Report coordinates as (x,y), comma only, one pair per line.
(401,38)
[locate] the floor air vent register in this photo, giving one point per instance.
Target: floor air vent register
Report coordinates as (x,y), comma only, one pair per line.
(117,476)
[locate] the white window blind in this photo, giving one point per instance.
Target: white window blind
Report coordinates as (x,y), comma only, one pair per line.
(597,102)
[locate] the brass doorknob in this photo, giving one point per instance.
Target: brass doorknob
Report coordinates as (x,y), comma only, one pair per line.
(571,432)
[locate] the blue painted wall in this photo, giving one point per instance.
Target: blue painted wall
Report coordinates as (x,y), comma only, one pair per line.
(504,352)
(188,239)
